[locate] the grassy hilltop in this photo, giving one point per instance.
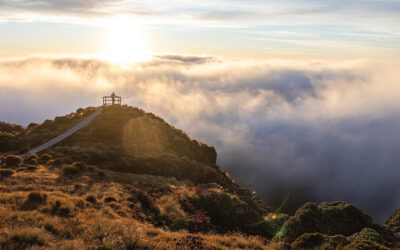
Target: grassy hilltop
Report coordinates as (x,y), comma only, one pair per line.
(129,180)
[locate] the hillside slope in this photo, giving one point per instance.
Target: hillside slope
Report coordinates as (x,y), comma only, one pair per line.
(129,180)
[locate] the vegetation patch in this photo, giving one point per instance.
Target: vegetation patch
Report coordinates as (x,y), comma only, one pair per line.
(24,238)
(70,170)
(12,161)
(34,200)
(6,173)
(31,159)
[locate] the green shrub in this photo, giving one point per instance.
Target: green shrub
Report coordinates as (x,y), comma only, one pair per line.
(12,161)
(31,159)
(70,170)
(6,172)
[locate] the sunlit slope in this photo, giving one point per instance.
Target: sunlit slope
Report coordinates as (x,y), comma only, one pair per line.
(140,134)
(125,139)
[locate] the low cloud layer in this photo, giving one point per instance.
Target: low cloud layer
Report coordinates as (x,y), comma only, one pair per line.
(311,131)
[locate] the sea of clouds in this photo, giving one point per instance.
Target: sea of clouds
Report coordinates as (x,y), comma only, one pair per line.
(308,131)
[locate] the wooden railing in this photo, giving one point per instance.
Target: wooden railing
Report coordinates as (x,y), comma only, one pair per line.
(112,100)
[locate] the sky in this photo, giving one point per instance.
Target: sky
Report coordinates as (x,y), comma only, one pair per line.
(301,99)
(332,29)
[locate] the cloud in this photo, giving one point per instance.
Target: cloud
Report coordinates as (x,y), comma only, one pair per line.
(316,131)
(221,14)
(182,59)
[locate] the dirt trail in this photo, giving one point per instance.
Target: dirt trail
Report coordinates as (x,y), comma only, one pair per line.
(64,135)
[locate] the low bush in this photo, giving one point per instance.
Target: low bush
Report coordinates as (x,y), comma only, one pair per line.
(58,228)
(109,199)
(70,170)
(365,244)
(6,172)
(91,199)
(36,197)
(24,239)
(31,159)
(367,234)
(23,149)
(80,165)
(2,159)
(45,158)
(59,161)
(170,207)
(31,168)
(328,218)
(12,161)
(101,174)
(60,209)
(144,198)
(309,241)
(33,126)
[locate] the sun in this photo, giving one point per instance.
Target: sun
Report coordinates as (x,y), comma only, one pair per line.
(125,43)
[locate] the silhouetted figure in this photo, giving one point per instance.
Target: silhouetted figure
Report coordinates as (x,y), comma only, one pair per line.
(113,98)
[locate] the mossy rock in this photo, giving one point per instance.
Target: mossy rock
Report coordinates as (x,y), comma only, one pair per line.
(228,212)
(328,218)
(365,245)
(319,241)
(367,234)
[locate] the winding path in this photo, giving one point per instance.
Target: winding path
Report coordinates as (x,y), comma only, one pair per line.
(63,135)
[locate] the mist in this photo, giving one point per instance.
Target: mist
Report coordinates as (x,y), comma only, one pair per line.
(308,131)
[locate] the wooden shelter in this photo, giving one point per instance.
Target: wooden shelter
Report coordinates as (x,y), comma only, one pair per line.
(112,99)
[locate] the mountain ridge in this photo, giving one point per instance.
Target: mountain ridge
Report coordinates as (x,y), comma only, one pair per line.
(129,174)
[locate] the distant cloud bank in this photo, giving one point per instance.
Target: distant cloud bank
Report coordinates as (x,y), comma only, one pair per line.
(314,131)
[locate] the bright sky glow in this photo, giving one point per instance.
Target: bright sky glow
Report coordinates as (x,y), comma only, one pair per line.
(125,43)
(126,30)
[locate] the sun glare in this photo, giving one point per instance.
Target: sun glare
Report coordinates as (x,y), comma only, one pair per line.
(125,43)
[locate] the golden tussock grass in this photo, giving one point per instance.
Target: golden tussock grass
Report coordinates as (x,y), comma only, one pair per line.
(45,209)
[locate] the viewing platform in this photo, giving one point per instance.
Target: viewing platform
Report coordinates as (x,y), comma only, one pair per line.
(112,100)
